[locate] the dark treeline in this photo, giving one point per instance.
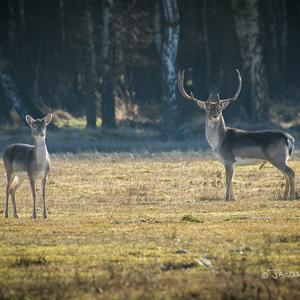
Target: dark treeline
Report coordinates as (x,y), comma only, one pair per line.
(95,58)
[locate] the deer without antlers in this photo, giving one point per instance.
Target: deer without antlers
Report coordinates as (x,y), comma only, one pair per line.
(236,147)
(21,160)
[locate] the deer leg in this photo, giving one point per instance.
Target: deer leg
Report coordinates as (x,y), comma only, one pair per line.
(231,192)
(290,174)
(8,187)
(229,176)
(32,185)
(15,185)
(287,187)
(44,181)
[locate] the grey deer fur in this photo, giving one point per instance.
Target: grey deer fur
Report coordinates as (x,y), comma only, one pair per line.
(21,160)
(234,146)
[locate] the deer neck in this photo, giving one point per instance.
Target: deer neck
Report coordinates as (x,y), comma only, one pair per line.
(215,132)
(41,152)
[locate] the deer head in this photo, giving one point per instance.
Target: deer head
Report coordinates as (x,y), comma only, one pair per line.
(213,109)
(38,126)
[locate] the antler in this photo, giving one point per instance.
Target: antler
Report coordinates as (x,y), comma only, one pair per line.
(237,92)
(184,93)
(200,102)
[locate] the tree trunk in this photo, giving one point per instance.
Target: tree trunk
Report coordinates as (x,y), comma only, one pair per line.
(222,53)
(5,104)
(250,35)
(230,59)
(38,62)
(157,26)
(91,69)
(11,93)
(5,116)
(274,13)
(62,20)
(211,27)
(12,25)
(293,49)
(108,65)
(168,60)
(206,45)
(11,97)
(22,35)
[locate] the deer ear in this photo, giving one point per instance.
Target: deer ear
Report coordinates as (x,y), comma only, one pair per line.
(47,119)
(224,104)
(201,105)
(30,120)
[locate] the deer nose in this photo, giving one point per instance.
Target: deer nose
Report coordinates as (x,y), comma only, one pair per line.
(214,117)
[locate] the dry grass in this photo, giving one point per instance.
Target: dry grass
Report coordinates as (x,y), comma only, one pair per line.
(151,227)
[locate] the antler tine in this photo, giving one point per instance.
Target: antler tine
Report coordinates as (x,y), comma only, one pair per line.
(181,87)
(240,85)
(236,95)
(194,99)
(182,90)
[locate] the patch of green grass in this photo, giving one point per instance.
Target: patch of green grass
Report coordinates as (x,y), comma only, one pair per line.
(118,223)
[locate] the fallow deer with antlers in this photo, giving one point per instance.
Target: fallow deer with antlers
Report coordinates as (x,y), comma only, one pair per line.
(235,146)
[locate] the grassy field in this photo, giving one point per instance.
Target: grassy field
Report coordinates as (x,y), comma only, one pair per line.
(125,226)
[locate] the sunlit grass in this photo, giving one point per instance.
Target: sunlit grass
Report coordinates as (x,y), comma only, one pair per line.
(75,123)
(151,227)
